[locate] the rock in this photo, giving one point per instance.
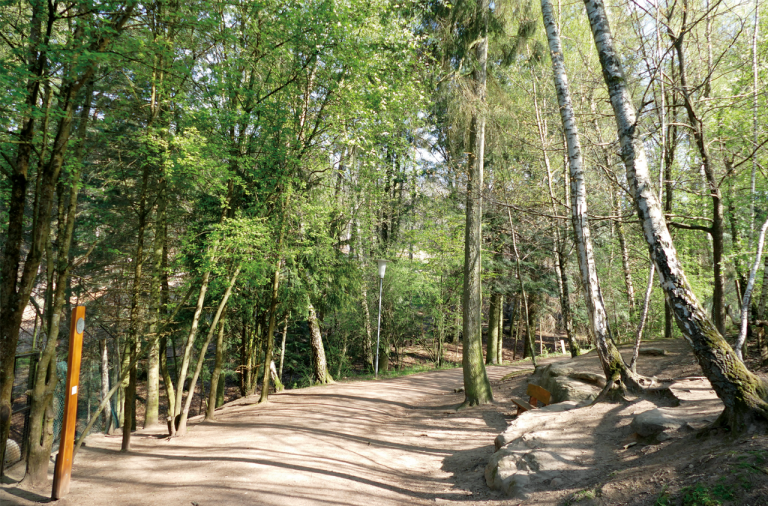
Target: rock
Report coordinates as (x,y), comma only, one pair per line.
(588,377)
(569,389)
(555,370)
(565,384)
(656,421)
(507,472)
(12,452)
(516,468)
(560,406)
(653,352)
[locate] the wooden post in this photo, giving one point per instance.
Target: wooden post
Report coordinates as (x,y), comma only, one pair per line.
(63,470)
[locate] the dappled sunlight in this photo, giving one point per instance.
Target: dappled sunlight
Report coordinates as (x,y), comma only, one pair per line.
(337,444)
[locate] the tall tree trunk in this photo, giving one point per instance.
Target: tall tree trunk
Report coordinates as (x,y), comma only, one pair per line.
(368,339)
(136,316)
(41,413)
(643,318)
(186,358)
(500,346)
(282,346)
(14,295)
(319,363)
(561,258)
(524,313)
(181,430)
(717,228)
(742,392)
(755,124)
(210,414)
(624,256)
(18,279)
(156,305)
(670,146)
(492,346)
(271,330)
(477,388)
(612,363)
(104,370)
(748,293)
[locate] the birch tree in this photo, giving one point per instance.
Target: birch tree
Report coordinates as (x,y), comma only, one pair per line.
(610,359)
(743,393)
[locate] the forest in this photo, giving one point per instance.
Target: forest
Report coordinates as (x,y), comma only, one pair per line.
(216,181)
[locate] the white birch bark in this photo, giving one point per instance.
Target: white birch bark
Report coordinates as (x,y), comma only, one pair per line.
(742,392)
(748,293)
(753,194)
(613,364)
(643,318)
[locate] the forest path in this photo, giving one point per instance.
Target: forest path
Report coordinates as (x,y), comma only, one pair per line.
(387,442)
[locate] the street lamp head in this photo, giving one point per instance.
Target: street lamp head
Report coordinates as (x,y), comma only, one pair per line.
(382,268)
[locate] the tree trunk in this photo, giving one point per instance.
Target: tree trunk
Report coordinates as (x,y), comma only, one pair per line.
(156,305)
(17,279)
(670,146)
(136,316)
(271,330)
(106,420)
(500,346)
(282,346)
(181,430)
(748,293)
(624,257)
(742,392)
(524,313)
(188,351)
(477,388)
(41,413)
(13,295)
(213,394)
(612,363)
(492,346)
(717,228)
(368,339)
(755,124)
(643,317)
(129,406)
(319,364)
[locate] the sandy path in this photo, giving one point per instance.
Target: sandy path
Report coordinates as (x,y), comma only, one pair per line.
(388,442)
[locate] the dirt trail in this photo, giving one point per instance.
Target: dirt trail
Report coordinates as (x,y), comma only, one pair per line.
(387,442)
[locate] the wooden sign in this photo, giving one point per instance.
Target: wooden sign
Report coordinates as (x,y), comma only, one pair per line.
(63,470)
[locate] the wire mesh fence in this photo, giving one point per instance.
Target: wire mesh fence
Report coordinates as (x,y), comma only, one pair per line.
(24,369)
(87,401)
(24,378)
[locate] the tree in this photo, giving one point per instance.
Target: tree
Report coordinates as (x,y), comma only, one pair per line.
(613,365)
(743,393)
(477,388)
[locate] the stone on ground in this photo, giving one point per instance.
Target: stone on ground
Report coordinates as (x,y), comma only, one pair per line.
(567,384)
(12,452)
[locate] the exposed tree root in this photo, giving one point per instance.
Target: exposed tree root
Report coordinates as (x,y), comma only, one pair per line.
(626,385)
(604,392)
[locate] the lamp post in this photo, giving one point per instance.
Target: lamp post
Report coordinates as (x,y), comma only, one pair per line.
(382,270)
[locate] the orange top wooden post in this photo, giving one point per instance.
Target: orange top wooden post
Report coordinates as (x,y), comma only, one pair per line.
(63,470)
